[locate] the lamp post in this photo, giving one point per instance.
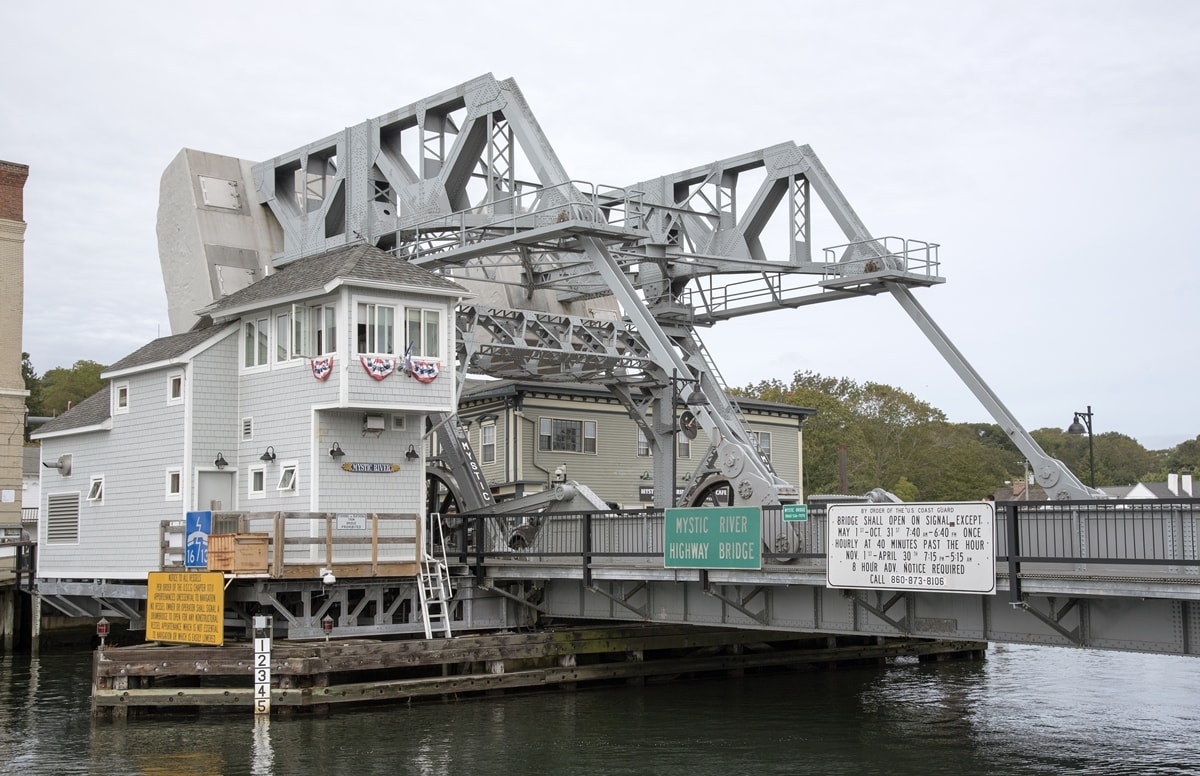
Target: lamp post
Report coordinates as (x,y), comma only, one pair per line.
(1078,428)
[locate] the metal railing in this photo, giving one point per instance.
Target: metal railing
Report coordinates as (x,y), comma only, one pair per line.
(1155,539)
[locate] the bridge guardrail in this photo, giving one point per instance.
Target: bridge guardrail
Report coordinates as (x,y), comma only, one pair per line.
(1120,538)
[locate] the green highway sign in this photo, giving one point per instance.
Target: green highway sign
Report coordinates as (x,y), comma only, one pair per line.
(713,538)
(795,513)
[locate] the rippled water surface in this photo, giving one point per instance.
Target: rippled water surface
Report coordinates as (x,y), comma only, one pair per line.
(1023,710)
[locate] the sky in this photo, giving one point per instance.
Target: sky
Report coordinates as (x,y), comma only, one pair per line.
(1049,148)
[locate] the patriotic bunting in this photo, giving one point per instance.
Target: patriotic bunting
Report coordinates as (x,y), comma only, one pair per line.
(378,367)
(425,371)
(321,367)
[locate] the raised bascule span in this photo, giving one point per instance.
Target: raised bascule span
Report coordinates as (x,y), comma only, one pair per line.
(574,281)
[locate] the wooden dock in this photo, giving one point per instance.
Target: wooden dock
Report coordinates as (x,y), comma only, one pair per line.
(315,676)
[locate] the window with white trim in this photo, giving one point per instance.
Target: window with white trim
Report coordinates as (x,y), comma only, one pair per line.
(96,489)
(175,388)
(487,442)
(376,329)
(569,436)
(283,326)
(287,478)
(256,343)
(174,484)
(314,330)
(643,444)
(256,483)
(762,441)
(121,398)
(683,446)
(423,333)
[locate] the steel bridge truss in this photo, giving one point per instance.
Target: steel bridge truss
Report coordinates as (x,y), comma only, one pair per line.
(605,283)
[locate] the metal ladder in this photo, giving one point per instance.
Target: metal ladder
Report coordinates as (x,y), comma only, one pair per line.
(433,584)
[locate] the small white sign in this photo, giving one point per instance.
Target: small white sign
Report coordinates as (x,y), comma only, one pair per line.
(351,522)
(945,547)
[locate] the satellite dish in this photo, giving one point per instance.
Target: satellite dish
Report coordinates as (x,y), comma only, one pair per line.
(688,424)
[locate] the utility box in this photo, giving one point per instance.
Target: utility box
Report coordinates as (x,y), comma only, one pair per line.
(239,553)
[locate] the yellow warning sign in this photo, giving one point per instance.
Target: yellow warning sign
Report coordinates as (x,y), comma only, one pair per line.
(186,607)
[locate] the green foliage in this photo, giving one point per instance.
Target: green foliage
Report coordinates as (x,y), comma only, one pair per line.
(868,435)
(62,388)
(33,402)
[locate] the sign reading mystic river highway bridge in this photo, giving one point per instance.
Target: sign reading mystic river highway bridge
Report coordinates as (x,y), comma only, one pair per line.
(712,538)
(946,547)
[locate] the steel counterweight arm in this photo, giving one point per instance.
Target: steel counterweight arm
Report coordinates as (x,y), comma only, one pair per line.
(1051,473)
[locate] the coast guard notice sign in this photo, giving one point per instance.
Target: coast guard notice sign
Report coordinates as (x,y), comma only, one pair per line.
(185,608)
(946,547)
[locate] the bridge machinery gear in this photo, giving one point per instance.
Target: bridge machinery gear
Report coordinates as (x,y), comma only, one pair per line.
(583,282)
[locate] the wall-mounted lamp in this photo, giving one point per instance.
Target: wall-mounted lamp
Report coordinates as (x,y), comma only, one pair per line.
(336,452)
(63,464)
(220,463)
(646,476)
(412,453)
(269,455)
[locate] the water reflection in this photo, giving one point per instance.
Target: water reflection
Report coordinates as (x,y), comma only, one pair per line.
(1025,710)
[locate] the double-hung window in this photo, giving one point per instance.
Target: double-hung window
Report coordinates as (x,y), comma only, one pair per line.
(314,330)
(256,342)
(487,442)
(376,329)
(423,333)
(570,436)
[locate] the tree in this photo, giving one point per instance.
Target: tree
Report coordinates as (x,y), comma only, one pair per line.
(33,402)
(62,388)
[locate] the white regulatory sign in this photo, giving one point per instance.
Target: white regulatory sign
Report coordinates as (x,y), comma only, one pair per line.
(947,547)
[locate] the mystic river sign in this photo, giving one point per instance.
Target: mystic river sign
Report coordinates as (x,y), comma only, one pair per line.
(945,547)
(713,538)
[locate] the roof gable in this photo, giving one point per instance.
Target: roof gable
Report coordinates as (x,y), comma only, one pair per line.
(359,263)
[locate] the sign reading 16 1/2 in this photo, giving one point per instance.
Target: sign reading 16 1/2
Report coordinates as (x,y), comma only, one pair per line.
(947,547)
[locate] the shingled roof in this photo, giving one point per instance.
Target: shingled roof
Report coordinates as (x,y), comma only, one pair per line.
(360,262)
(164,348)
(92,411)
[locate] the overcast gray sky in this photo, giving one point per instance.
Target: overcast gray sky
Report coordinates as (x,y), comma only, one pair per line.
(1051,148)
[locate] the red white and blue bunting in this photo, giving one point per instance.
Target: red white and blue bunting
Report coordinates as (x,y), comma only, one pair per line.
(321,367)
(377,366)
(425,371)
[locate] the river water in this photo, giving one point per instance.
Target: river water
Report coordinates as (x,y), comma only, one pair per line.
(1022,710)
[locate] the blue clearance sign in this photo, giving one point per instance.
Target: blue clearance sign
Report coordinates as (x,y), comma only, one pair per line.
(197,527)
(713,538)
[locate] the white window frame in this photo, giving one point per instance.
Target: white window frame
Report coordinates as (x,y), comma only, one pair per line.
(95,494)
(259,473)
(283,339)
(487,442)
(683,446)
(174,484)
(643,444)
(256,343)
(175,388)
(375,327)
(120,398)
(423,332)
(314,330)
(762,443)
(289,478)
(546,435)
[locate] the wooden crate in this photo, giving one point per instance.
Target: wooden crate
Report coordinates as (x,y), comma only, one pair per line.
(240,553)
